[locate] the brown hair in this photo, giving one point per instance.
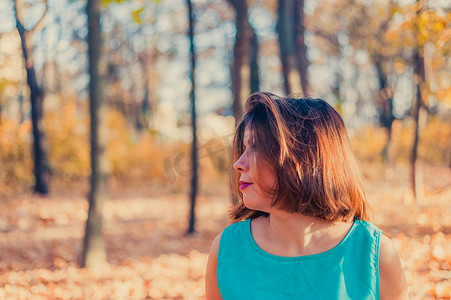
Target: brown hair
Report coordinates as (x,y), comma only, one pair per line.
(306,144)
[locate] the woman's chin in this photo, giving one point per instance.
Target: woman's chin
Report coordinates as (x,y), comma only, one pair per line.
(253,204)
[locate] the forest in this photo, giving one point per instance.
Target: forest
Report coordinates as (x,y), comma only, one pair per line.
(117,119)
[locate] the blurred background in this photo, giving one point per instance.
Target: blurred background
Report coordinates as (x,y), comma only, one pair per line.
(158,86)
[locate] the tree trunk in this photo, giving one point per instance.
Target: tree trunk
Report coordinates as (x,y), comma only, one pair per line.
(241,69)
(418,114)
(303,62)
(385,106)
(416,175)
(286,28)
(192,95)
(94,253)
(253,64)
(148,103)
(36,100)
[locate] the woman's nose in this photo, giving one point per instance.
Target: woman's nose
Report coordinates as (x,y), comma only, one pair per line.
(241,164)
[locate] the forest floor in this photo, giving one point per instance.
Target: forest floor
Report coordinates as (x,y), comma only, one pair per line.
(150,257)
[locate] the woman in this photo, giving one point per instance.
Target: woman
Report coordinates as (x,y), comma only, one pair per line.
(303,230)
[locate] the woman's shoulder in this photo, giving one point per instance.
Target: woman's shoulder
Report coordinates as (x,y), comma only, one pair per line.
(211,284)
(215,244)
(367,231)
(240,226)
(393,283)
(367,224)
(230,230)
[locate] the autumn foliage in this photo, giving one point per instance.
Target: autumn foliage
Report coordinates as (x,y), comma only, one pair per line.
(145,156)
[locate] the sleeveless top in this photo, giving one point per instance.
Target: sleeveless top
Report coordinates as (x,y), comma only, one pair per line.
(350,270)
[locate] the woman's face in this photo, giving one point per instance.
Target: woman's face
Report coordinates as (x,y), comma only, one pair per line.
(256,176)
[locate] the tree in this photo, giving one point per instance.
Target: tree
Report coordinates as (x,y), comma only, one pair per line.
(245,78)
(385,107)
(94,253)
(293,51)
(192,96)
(299,18)
(149,99)
(36,97)
(418,105)
(382,55)
(422,27)
(417,108)
(254,53)
(365,27)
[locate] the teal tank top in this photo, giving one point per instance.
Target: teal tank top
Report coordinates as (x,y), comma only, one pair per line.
(350,270)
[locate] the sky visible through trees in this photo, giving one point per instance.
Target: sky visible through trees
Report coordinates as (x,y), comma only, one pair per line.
(162,29)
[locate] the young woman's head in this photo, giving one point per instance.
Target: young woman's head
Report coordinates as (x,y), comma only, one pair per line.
(294,155)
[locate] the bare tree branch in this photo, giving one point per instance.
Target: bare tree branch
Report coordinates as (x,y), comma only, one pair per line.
(332,38)
(41,23)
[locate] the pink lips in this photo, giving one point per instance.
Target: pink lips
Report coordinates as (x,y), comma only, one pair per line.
(244,184)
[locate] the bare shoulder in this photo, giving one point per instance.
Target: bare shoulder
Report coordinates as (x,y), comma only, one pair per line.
(211,282)
(393,284)
(215,245)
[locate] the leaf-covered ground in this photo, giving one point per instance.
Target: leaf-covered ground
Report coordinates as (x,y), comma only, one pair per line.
(150,257)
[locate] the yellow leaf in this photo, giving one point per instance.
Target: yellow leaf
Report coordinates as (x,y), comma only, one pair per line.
(107,2)
(136,15)
(399,67)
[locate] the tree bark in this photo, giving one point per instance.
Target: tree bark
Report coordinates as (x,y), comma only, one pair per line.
(94,253)
(303,62)
(385,106)
(286,28)
(192,95)
(253,63)
(416,182)
(416,175)
(148,103)
(36,99)
(241,69)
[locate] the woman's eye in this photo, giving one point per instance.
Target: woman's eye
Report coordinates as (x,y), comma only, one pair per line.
(252,148)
